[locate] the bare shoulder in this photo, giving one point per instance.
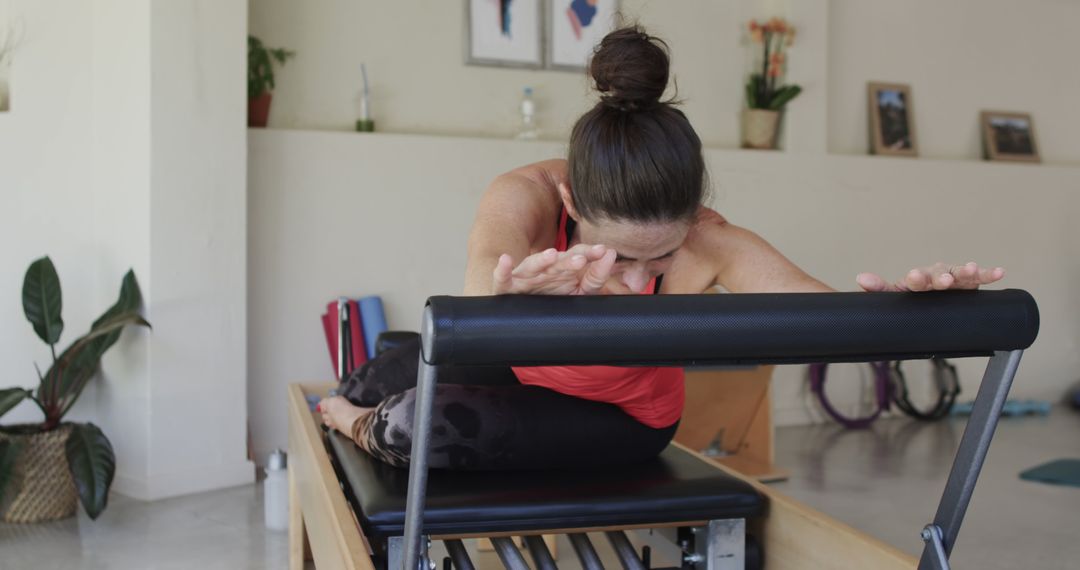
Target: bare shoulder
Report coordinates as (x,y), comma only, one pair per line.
(518,208)
(524,193)
(709,229)
(741,261)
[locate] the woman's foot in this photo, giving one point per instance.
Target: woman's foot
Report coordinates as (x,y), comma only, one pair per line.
(340,414)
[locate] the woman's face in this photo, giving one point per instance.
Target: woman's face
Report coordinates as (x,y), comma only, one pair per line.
(644,250)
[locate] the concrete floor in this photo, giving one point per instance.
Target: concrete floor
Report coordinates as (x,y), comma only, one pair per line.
(886,481)
(210,531)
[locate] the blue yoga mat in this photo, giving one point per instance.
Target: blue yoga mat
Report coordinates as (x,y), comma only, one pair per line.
(1060,472)
(374,320)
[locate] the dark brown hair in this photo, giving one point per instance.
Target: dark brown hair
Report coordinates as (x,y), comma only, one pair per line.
(634,157)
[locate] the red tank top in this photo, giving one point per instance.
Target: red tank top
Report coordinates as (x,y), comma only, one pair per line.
(653,396)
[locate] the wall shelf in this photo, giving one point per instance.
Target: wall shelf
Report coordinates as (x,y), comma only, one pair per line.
(765,156)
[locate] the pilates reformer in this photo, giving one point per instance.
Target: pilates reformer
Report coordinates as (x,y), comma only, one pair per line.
(707,509)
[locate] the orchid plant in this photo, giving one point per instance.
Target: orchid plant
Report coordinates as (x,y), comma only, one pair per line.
(765,88)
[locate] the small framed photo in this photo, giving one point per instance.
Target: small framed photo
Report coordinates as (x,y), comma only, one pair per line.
(892,123)
(574,28)
(1009,136)
(504,33)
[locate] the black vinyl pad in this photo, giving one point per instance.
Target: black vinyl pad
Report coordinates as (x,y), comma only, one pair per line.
(675,487)
(746,328)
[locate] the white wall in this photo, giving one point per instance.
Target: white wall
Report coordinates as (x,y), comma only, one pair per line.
(198,246)
(415,61)
(834,215)
(346,214)
(120,153)
(959,57)
(47,201)
(126,148)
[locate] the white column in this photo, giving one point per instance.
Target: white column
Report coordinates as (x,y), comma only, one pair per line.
(198,246)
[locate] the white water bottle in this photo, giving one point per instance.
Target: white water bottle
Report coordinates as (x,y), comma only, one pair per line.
(276,492)
(528,129)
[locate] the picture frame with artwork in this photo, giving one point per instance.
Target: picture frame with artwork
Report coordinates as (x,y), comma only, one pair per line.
(1009,136)
(504,33)
(892,119)
(574,28)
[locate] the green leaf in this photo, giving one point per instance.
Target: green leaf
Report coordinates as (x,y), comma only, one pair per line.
(80,361)
(783,96)
(93,464)
(41,300)
(10,397)
(261,66)
(9,452)
(66,378)
(130,301)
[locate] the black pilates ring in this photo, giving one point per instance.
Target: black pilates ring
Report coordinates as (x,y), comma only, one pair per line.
(948,383)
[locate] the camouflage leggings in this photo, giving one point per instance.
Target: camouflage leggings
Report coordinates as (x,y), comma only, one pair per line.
(484,419)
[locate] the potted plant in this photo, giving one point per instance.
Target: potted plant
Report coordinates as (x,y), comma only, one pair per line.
(43,467)
(261,79)
(766,94)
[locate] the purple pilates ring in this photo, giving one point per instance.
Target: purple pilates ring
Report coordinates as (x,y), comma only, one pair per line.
(882,388)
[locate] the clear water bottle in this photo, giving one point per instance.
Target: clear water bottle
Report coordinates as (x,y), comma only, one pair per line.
(528,129)
(276,492)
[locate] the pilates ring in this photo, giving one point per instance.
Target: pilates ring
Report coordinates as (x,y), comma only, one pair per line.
(890,384)
(882,389)
(948,383)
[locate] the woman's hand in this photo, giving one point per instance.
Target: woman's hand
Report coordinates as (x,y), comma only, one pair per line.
(936,277)
(580,270)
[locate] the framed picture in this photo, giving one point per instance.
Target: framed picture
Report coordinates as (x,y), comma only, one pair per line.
(1009,136)
(892,124)
(574,27)
(506,33)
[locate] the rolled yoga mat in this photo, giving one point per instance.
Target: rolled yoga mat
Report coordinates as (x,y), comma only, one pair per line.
(374,319)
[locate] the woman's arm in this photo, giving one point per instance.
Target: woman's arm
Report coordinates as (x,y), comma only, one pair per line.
(746,263)
(507,222)
(510,243)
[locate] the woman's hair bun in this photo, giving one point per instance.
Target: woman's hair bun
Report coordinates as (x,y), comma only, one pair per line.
(630,68)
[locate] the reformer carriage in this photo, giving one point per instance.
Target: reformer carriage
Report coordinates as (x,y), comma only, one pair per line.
(355,512)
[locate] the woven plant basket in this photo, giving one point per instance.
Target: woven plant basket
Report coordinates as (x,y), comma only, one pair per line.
(42,488)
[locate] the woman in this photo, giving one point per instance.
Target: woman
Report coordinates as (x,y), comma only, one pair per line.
(622,214)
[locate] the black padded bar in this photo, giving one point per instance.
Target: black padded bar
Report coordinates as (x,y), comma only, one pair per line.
(726,329)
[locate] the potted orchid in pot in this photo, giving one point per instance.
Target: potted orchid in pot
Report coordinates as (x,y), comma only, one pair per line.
(48,467)
(766,93)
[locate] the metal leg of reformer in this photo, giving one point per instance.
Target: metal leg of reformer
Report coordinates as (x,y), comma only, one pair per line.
(460,556)
(970,456)
(539,552)
(508,553)
(395,552)
(585,551)
(932,536)
(416,557)
(723,546)
(627,555)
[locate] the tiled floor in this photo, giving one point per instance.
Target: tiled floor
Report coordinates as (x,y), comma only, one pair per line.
(886,481)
